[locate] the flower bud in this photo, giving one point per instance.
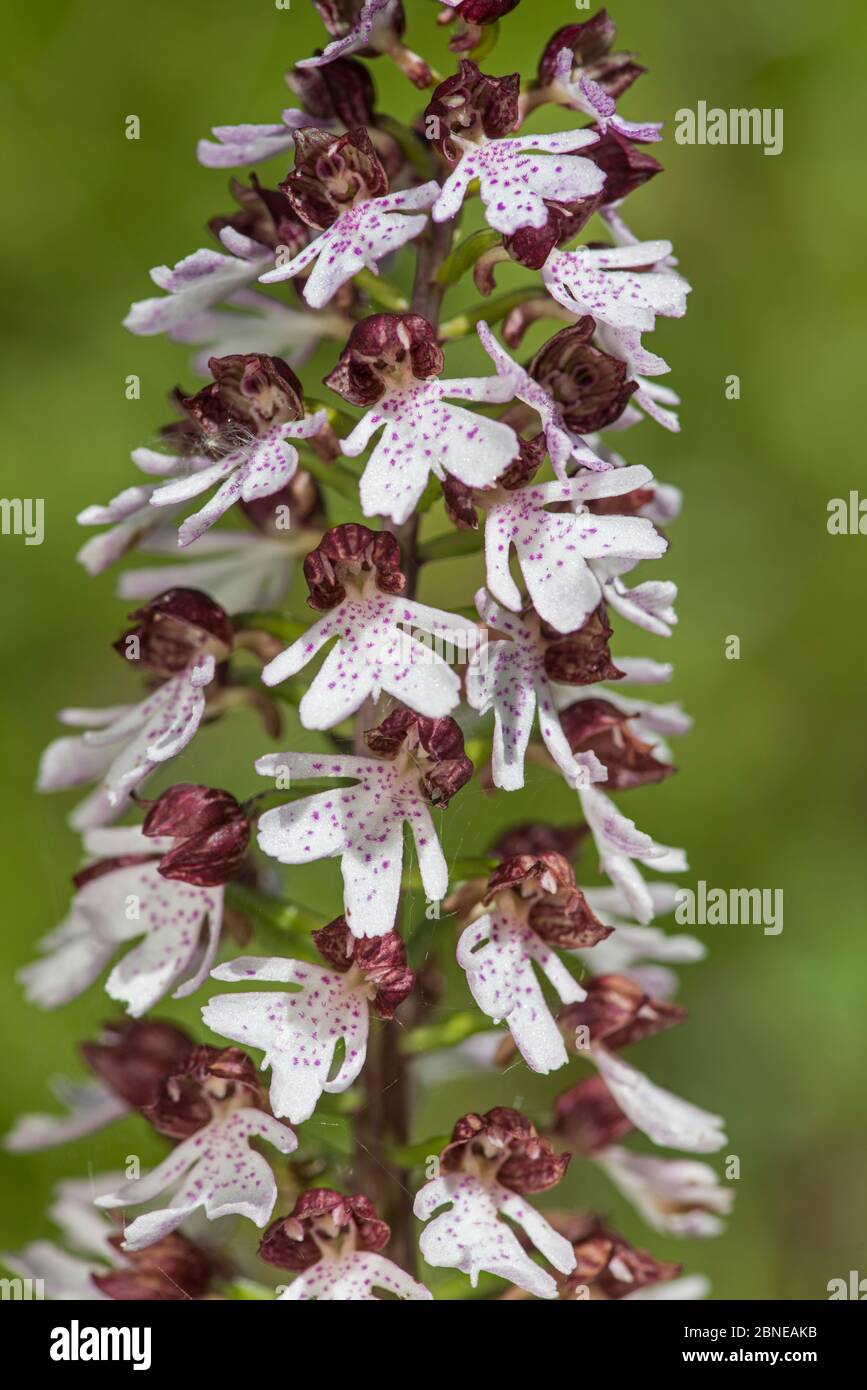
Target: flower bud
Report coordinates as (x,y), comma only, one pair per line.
(597,726)
(211,829)
(175,629)
(133,1056)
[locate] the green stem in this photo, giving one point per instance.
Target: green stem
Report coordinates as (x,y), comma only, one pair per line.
(491,310)
(381,291)
(275,918)
(488,41)
(466,254)
(448,1032)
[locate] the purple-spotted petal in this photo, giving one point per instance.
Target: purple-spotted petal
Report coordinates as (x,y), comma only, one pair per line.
(498,953)
(471,1236)
(215,1169)
(298,1031)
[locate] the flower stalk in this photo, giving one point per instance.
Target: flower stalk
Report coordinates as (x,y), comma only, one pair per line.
(519,960)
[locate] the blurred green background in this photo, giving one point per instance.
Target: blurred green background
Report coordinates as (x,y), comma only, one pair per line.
(771,789)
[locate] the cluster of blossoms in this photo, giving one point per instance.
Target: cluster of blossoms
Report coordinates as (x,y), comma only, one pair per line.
(394,692)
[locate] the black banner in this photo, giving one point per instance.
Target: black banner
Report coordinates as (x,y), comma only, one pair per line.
(68,1339)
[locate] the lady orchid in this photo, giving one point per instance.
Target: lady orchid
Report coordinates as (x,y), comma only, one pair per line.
(392,364)
(415,763)
(533,907)
(398,694)
(511,678)
(213,1105)
(163,882)
(339,186)
(180,636)
(492,1162)
(299,1031)
(332,1244)
(249,415)
(354,576)
(468,118)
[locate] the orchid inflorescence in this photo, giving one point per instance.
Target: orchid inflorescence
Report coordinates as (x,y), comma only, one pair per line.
(350,1020)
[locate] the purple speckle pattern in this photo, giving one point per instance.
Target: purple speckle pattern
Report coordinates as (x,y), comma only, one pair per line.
(195,284)
(512,682)
(298,1031)
(215,1169)
(261,467)
(353,1277)
(555,549)
(650,605)
(170,916)
(374,651)
(363,824)
(125,744)
(422,434)
(515,182)
(586,95)
(472,1237)
(357,240)
(600,282)
(498,952)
